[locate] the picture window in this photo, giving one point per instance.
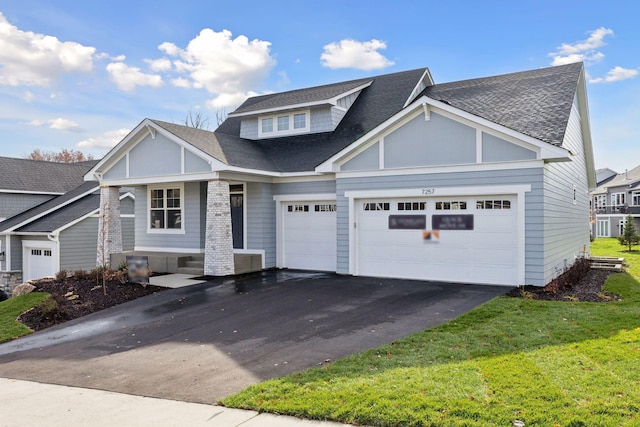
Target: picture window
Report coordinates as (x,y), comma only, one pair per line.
(165,208)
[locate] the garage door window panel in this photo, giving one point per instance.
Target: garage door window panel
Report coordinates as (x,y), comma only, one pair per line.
(453,205)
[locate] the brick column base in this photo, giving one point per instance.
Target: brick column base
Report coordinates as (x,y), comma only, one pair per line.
(218,247)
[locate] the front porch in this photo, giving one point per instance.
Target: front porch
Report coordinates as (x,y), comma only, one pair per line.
(187,263)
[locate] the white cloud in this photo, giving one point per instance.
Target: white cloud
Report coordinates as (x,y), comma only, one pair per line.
(108,139)
(616,74)
(229,99)
(585,50)
(127,78)
(58,124)
(159,65)
(350,53)
(28,58)
(226,67)
(28,96)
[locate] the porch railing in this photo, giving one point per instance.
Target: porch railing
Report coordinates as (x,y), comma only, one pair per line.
(618,209)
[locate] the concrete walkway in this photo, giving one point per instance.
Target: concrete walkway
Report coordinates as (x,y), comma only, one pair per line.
(26,403)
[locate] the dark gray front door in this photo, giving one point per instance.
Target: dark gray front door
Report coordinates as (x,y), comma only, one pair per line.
(237,220)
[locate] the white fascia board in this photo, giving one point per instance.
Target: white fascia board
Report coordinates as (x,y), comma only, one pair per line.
(328,101)
(31,193)
(47,212)
(304,197)
(585,123)
(428,81)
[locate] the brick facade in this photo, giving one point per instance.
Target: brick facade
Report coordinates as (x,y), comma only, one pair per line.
(218,249)
(109,226)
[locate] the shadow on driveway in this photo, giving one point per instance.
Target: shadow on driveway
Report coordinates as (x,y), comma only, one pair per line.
(204,342)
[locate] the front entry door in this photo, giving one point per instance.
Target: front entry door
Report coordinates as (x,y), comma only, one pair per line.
(237,220)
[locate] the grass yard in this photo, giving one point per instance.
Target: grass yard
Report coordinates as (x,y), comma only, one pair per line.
(545,363)
(10,309)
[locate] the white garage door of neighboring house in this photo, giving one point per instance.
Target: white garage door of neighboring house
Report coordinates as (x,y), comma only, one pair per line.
(456,239)
(38,259)
(309,235)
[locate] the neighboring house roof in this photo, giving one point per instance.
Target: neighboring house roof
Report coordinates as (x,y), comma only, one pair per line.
(63,216)
(536,103)
(23,175)
(629,179)
(604,175)
(49,206)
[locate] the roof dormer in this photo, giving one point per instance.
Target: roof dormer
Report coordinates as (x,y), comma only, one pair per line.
(304,111)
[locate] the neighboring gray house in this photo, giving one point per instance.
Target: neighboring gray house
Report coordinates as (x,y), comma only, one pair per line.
(615,199)
(27,183)
(477,181)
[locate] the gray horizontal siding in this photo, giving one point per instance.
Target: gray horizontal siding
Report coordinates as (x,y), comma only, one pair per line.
(306,187)
(534,211)
(78,245)
(261,221)
(190,239)
(12,204)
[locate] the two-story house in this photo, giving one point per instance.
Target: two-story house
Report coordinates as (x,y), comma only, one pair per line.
(614,200)
(477,181)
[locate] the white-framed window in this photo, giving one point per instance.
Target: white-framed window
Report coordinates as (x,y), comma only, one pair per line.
(166,208)
(325,207)
(618,199)
(600,201)
(635,198)
(493,204)
(602,228)
(453,205)
(298,208)
(376,206)
(284,124)
(412,206)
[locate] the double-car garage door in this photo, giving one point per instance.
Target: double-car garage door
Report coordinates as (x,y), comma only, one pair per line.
(456,239)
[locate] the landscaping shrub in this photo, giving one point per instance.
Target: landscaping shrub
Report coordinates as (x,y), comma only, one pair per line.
(570,277)
(51,309)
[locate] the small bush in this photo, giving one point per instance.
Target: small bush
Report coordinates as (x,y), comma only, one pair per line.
(80,275)
(570,277)
(62,275)
(51,309)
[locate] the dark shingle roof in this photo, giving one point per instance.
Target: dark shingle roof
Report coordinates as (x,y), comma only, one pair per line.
(47,206)
(64,215)
(536,103)
(299,96)
(39,176)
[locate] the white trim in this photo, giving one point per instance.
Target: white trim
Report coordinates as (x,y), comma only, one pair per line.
(165,249)
(260,252)
(381,152)
(478,145)
(304,178)
(416,89)
(44,193)
(473,167)
(182,161)
(280,200)
(47,212)
(52,245)
(326,101)
(7,258)
(169,186)
(93,214)
(518,190)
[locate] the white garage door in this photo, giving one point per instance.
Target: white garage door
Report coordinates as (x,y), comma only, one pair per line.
(459,239)
(309,235)
(40,263)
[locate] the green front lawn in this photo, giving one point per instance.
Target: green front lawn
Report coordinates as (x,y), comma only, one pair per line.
(544,363)
(10,309)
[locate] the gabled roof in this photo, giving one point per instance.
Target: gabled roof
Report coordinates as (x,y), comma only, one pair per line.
(63,216)
(34,176)
(629,179)
(47,207)
(536,103)
(298,98)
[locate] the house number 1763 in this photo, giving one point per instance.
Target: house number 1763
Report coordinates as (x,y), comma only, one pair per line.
(428,191)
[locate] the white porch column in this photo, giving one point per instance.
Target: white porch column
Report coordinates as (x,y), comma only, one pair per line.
(109,226)
(218,247)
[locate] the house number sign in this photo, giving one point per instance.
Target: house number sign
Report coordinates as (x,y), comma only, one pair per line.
(428,191)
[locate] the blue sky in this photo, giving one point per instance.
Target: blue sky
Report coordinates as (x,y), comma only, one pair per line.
(80,74)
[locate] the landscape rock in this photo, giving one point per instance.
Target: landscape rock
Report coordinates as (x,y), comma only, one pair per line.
(22,289)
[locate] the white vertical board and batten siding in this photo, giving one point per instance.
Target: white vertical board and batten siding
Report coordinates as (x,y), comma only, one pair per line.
(566,227)
(187,241)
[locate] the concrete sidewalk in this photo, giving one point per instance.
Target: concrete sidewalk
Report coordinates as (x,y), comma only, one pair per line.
(26,403)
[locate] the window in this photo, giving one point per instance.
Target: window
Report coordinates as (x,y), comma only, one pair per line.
(451,206)
(37,252)
(600,201)
(376,206)
(47,252)
(298,208)
(325,208)
(618,199)
(493,204)
(635,198)
(165,208)
(284,124)
(412,206)
(267,125)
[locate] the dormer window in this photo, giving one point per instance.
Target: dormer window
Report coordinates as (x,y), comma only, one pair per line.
(283,124)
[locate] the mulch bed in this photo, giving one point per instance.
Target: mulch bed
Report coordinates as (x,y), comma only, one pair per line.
(73,298)
(588,289)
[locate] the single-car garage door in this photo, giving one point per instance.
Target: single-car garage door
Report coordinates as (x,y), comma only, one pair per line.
(39,262)
(459,239)
(309,239)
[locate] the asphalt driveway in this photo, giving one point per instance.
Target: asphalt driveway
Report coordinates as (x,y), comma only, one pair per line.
(204,342)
